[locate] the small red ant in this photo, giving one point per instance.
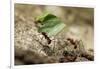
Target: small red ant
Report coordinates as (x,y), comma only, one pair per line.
(72,42)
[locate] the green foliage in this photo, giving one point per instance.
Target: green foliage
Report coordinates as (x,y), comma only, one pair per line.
(51,24)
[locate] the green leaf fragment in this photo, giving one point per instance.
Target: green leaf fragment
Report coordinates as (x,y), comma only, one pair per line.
(51,24)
